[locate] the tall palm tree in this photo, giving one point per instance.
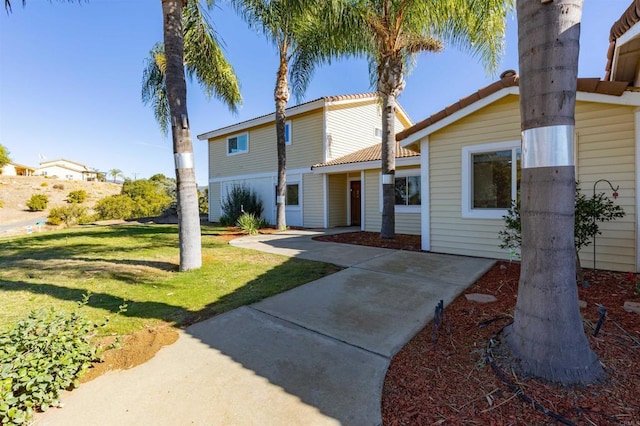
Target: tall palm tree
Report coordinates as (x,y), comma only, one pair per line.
(547,334)
(164,86)
(284,23)
(204,59)
(390,34)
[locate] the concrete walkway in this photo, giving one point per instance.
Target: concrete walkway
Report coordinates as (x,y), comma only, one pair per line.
(314,355)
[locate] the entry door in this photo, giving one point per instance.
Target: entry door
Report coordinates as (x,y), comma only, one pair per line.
(354,189)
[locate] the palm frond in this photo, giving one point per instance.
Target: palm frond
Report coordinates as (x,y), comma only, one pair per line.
(154,89)
(205,60)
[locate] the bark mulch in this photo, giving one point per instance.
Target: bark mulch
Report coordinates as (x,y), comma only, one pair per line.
(450,382)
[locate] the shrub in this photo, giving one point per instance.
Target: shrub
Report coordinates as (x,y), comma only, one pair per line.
(79,196)
(44,184)
(150,198)
(114,207)
(69,215)
(588,213)
(250,223)
(203,201)
(38,202)
(1,204)
(58,186)
(41,356)
(241,199)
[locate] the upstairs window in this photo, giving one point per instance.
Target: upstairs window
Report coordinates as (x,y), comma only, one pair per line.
(238,144)
(287,133)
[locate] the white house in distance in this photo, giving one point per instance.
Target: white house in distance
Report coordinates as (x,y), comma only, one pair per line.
(67,170)
(15,169)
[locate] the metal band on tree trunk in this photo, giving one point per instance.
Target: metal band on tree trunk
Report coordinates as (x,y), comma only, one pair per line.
(184,160)
(550,146)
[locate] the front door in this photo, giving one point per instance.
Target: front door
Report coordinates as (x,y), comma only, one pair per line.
(354,190)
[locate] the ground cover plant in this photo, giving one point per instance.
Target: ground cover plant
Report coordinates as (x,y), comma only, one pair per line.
(137,263)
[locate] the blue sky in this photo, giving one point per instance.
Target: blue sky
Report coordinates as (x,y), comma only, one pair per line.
(70,78)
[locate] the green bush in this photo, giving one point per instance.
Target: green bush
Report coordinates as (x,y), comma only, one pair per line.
(38,202)
(114,207)
(250,223)
(150,198)
(203,201)
(40,357)
(79,196)
(241,199)
(1,204)
(44,184)
(69,215)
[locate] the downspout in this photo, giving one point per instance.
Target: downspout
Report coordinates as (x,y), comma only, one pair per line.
(325,178)
(637,142)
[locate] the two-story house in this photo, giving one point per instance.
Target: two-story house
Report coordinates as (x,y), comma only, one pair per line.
(317,133)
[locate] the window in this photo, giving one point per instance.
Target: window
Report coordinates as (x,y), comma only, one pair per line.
(490,179)
(287,133)
(238,144)
(293,194)
(407,191)
(377,132)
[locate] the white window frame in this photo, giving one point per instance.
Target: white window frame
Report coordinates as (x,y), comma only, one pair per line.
(287,125)
(468,212)
(377,132)
(414,209)
(229,154)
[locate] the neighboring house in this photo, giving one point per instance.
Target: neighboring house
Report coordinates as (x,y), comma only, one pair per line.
(67,170)
(470,158)
(14,169)
(318,132)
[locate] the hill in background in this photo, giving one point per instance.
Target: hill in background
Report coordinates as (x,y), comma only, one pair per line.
(15,191)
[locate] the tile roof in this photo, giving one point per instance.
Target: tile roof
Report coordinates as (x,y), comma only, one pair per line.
(510,79)
(372,153)
(621,26)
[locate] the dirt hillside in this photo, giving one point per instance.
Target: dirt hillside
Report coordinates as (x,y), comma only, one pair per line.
(15,191)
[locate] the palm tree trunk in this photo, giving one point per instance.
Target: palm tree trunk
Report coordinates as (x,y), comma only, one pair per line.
(187,192)
(547,336)
(390,85)
(281,96)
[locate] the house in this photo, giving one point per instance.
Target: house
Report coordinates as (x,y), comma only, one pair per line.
(317,133)
(15,169)
(470,156)
(67,170)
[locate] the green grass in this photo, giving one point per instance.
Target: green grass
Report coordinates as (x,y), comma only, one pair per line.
(138,264)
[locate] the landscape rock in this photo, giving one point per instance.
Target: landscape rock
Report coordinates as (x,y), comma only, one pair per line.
(480,298)
(632,307)
(583,304)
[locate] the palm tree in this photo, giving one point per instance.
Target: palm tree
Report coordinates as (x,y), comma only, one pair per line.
(390,34)
(547,335)
(164,86)
(204,59)
(114,173)
(284,23)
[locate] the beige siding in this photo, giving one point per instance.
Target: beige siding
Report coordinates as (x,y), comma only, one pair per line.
(305,149)
(214,202)
(406,223)
(450,233)
(352,127)
(313,205)
(605,151)
(337,200)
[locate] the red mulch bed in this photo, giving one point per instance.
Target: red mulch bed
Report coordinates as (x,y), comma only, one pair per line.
(450,382)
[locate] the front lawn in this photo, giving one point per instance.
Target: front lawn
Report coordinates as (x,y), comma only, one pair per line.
(137,264)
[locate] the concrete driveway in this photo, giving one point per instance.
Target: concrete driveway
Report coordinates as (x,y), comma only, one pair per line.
(315,355)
